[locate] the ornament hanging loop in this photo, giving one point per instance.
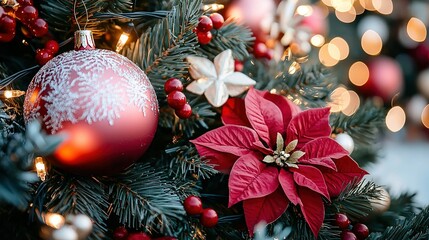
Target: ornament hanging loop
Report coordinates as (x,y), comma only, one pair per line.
(75,15)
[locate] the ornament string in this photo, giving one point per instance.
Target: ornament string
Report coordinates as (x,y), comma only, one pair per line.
(75,16)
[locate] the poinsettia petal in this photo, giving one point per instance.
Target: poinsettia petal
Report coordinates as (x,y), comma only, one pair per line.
(217,94)
(264,116)
(288,108)
(267,209)
(224,63)
(309,125)
(201,68)
(233,139)
(222,161)
(289,186)
(348,171)
(199,86)
(313,209)
(251,178)
(320,152)
(234,112)
(312,178)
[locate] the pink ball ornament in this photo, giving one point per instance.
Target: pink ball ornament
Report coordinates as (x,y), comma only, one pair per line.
(103,104)
(317,22)
(385,78)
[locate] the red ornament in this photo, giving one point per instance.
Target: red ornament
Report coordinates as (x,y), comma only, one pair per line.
(248,147)
(193,205)
(27,14)
(342,221)
(184,112)
(205,24)
(52,46)
(138,236)
(238,66)
(39,27)
(204,37)
(217,20)
(173,84)
(260,50)
(25,2)
(176,99)
(120,233)
(361,231)
(347,235)
(102,102)
(209,218)
(43,56)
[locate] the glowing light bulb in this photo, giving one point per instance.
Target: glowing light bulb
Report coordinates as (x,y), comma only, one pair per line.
(213,7)
(12,93)
(54,220)
(40,168)
(123,39)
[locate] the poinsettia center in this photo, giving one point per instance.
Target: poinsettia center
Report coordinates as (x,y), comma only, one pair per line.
(285,156)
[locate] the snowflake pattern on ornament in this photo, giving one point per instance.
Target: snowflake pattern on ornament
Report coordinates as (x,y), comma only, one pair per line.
(90,86)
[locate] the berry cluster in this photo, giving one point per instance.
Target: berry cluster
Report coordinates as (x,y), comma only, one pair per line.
(194,206)
(27,14)
(260,50)
(205,25)
(32,26)
(121,233)
(176,98)
(358,231)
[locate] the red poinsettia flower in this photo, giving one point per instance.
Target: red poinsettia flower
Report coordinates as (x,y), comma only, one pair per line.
(277,154)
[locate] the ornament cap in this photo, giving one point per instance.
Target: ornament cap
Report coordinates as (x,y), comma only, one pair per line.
(83,40)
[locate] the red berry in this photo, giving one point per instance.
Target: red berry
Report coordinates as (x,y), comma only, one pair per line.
(39,27)
(25,2)
(120,233)
(193,205)
(238,66)
(217,20)
(184,112)
(204,37)
(260,50)
(43,56)
(205,24)
(138,236)
(361,231)
(27,14)
(7,24)
(176,99)
(173,84)
(342,221)
(209,218)
(52,46)
(7,37)
(347,235)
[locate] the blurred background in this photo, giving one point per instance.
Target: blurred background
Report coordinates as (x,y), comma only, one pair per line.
(378,49)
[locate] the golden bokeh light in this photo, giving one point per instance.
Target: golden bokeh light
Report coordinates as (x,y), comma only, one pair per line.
(367,4)
(327,2)
(416,30)
(346,17)
(358,8)
(358,73)
(334,51)
(340,99)
(304,10)
(342,5)
(342,46)
(371,43)
(353,105)
(54,220)
(325,56)
(425,116)
(317,40)
(383,6)
(395,119)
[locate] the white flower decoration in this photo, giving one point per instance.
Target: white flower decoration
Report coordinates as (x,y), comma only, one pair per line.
(217,80)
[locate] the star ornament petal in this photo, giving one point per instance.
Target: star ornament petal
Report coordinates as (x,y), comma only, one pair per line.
(217,81)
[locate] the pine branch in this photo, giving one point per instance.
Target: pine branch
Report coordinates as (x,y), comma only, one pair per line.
(16,158)
(354,201)
(162,48)
(230,36)
(59,15)
(69,194)
(144,198)
(415,227)
(184,162)
(364,126)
